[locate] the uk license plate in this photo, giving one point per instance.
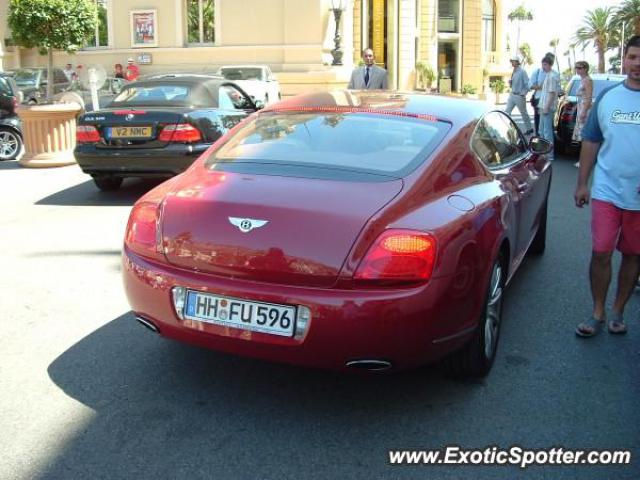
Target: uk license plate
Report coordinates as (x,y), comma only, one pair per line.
(260,317)
(129,132)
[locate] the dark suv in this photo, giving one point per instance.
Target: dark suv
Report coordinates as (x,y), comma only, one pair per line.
(566,113)
(33,83)
(10,131)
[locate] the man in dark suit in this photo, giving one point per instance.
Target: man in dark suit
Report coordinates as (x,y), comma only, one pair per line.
(370,76)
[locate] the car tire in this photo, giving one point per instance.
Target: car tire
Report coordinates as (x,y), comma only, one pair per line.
(10,144)
(107,183)
(32,101)
(476,358)
(539,242)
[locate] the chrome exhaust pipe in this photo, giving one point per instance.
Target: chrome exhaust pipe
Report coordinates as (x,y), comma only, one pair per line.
(372,365)
(147,323)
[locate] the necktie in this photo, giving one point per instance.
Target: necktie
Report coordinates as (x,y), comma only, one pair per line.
(366,77)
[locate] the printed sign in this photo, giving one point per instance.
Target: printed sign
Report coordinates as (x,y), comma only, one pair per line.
(144,28)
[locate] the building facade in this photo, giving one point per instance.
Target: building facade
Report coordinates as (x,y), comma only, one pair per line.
(460,39)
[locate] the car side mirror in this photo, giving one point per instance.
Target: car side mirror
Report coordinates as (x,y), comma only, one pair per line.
(259,104)
(539,145)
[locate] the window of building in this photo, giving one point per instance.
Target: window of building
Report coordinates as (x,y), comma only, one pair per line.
(489,25)
(448,16)
(100,37)
(200,21)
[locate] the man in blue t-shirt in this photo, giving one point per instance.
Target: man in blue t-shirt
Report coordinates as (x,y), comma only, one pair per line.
(612,136)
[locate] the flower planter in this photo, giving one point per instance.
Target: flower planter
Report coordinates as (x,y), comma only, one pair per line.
(49,134)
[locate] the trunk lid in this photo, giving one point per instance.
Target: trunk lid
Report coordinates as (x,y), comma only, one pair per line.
(310,226)
(131,128)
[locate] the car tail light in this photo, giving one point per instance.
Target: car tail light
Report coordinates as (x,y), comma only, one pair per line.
(180,133)
(87,134)
(143,230)
(14,102)
(400,256)
(568,112)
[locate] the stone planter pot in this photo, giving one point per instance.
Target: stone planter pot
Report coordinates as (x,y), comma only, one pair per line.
(49,134)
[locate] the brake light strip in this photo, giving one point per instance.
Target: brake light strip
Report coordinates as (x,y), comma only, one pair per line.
(422,116)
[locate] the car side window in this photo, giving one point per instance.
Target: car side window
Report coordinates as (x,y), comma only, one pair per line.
(483,145)
(497,140)
(59,76)
(230,98)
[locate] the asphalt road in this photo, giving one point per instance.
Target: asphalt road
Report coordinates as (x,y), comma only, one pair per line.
(85,392)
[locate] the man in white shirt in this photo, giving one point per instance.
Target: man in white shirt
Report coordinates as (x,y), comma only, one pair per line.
(535,83)
(548,100)
(68,71)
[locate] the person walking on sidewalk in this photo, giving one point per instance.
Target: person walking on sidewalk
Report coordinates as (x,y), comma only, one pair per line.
(612,137)
(535,83)
(584,96)
(548,101)
(519,87)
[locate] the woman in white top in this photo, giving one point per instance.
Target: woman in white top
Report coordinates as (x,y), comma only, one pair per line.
(585,100)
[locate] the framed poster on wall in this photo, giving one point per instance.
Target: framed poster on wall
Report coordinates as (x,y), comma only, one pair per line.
(144,28)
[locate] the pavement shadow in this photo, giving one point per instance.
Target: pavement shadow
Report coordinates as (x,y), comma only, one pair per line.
(87,194)
(168,410)
(10,165)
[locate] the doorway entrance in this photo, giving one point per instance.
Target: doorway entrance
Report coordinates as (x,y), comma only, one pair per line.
(448,65)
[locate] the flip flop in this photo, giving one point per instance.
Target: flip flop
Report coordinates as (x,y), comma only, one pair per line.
(589,328)
(616,325)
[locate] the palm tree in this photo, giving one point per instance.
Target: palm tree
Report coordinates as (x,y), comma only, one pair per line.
(519,15)
(572,47)
(597,29)
(567,54)
(525,52)
(628,13)
(554,44)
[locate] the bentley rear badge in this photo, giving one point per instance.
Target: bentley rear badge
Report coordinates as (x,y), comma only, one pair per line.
(247,224)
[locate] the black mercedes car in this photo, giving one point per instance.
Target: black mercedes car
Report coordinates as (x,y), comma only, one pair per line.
(158,127)
(565,120)
(10,127)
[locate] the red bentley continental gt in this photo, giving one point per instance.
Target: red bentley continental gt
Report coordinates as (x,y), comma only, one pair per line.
(344,230)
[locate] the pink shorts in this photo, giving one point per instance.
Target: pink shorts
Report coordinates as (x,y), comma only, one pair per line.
(610,224)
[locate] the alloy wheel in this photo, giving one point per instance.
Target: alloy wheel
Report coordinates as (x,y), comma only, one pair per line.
(493,312)
(9,145)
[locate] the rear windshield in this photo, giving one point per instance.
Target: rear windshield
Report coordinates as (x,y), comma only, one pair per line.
(364,142)
(598,86)
(163,94)
(242,73)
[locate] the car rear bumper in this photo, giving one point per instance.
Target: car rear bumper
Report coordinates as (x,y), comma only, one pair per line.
(167,161)
(405,327)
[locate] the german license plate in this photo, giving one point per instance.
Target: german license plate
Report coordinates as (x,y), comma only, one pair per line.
(260,317)
(130,132)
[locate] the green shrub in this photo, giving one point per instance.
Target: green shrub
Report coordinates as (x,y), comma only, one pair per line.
(498,86)
(424,75)
(469,89)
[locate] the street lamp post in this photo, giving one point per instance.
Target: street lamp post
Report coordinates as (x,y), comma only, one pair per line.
(337,13)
